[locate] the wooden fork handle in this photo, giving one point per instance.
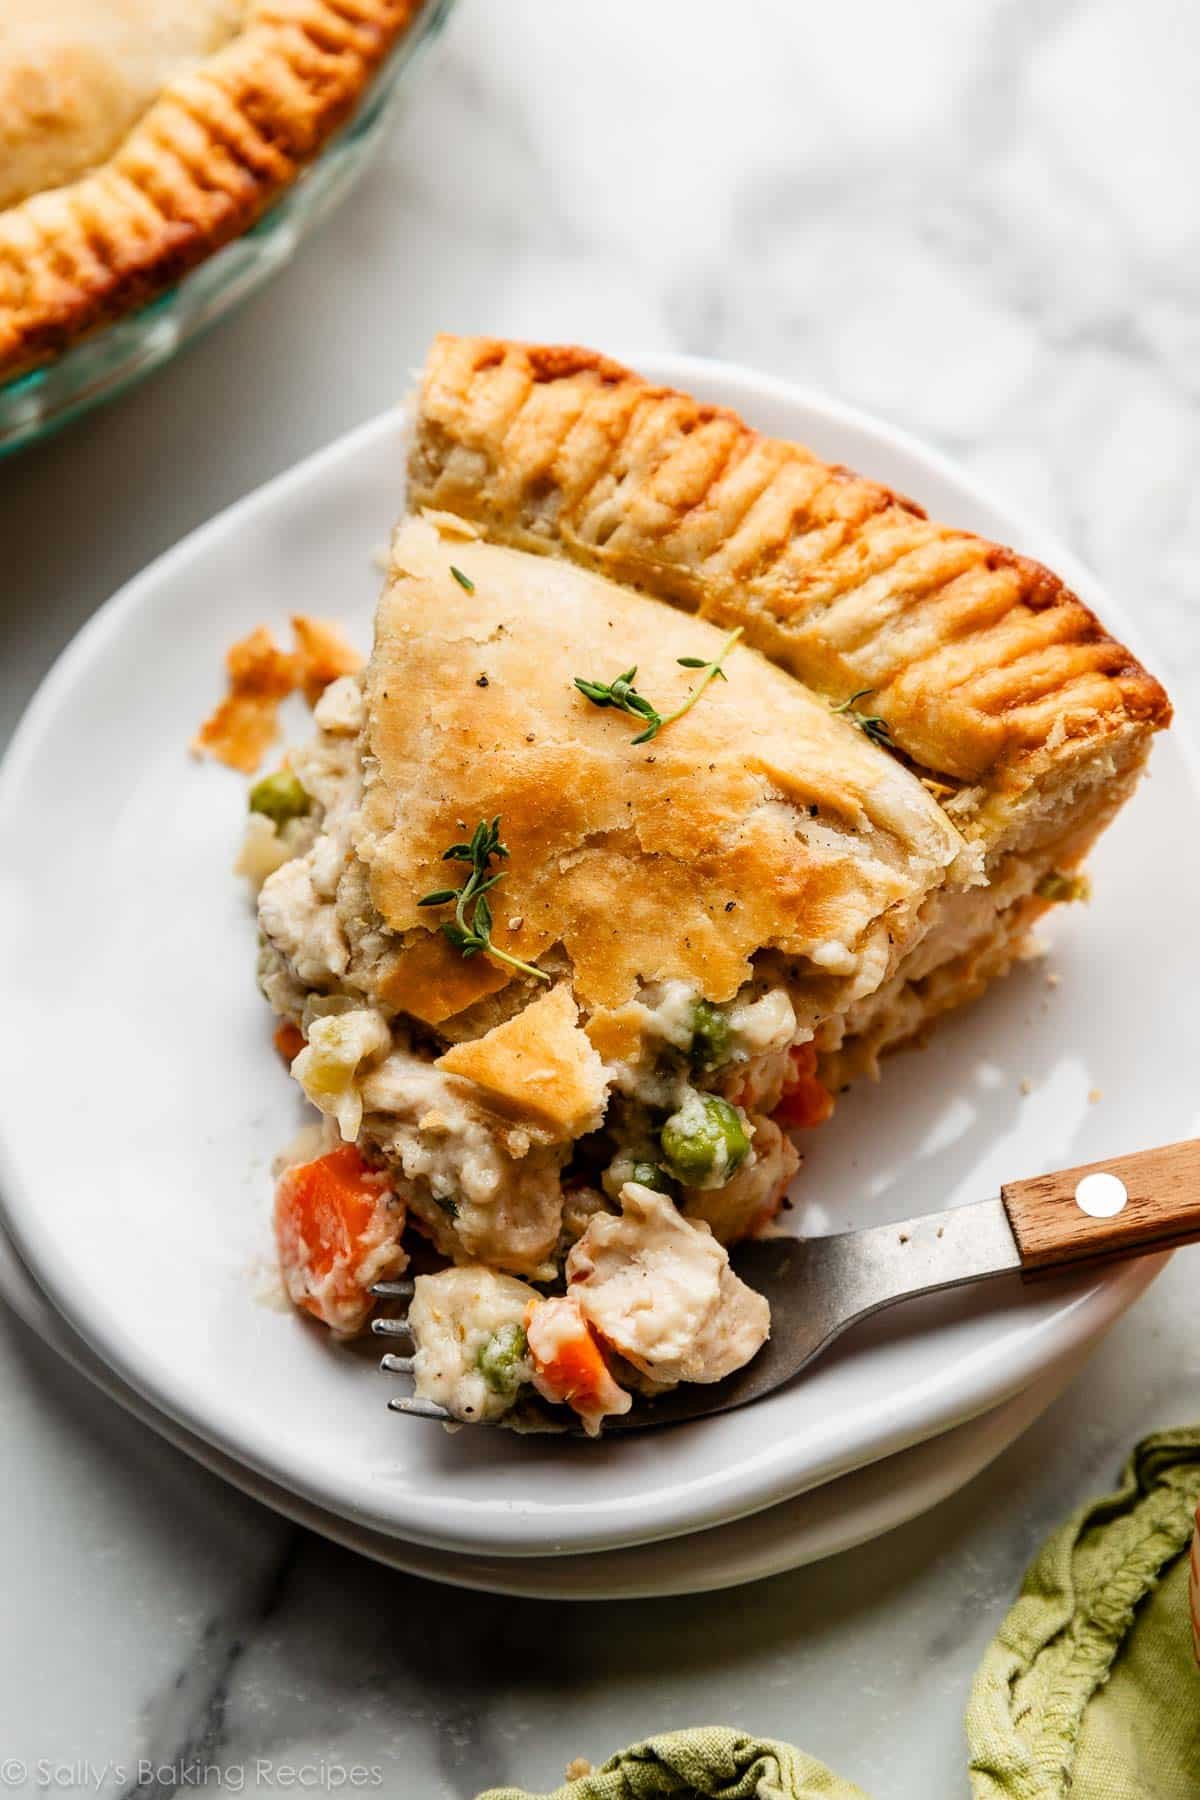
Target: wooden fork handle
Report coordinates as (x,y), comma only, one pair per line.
(1125,1206)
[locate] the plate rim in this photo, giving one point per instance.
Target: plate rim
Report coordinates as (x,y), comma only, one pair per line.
(975,1449)
(510,1530)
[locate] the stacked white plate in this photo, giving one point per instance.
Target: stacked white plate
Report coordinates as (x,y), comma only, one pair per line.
(140,1106)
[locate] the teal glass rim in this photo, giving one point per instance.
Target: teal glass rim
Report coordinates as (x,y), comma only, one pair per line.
(103,364)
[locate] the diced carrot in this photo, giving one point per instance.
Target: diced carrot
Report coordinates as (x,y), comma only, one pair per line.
(805,1100)
(568,1363)
(338,1226)
(289,1040)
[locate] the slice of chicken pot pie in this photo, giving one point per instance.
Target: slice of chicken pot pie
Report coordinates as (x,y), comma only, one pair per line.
(686,774)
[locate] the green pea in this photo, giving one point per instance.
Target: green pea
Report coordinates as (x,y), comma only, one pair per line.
(649,1175)
(280,796)
(710,1036)
(705,1141)
(499,1359)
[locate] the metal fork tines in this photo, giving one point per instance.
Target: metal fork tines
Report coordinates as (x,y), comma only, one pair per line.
(391,1364)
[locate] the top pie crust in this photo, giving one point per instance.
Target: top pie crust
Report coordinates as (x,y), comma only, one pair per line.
(758,821)
(138,136)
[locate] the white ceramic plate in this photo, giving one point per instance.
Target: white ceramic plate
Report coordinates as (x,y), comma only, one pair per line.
(140,1102)
(821,1523)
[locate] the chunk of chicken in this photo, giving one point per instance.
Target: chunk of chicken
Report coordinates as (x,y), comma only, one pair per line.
(660,1290)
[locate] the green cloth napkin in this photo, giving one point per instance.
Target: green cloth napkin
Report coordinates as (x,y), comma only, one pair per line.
(1090,1688)
(711,1762)
(1088,1691)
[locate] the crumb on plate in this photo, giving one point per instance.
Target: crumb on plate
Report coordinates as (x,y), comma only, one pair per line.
(260,677)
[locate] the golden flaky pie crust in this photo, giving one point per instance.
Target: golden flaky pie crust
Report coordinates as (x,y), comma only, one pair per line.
(986,667)
(539,1064)
(209,155)
(758,821)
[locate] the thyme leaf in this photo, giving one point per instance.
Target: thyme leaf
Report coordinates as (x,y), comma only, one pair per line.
(622,694)
(870,724)
(470,930)
(464,581)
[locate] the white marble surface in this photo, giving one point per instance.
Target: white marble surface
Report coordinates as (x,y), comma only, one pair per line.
(975,217)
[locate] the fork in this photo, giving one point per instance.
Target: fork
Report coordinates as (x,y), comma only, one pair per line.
(1074,1219)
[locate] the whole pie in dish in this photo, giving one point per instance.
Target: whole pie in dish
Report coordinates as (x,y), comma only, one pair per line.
(687,774)
(138,136)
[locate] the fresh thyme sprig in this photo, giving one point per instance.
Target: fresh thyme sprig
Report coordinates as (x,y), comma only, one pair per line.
(622,694)
(870,724)
(475,935)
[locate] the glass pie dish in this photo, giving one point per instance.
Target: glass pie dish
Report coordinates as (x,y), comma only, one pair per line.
(39,402)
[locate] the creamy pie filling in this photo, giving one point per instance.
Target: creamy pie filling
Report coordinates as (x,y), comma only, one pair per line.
(621,1233)
(585,1269)
(581,1267)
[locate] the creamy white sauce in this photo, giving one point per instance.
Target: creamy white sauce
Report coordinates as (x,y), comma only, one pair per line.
(834,956)
(763,1025)
(483,1188)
